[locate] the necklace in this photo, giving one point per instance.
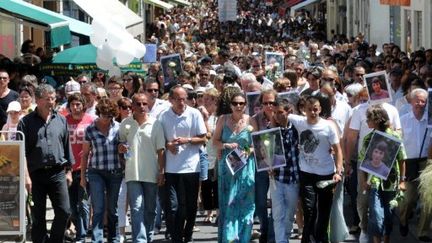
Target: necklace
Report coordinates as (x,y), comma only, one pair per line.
(237,124)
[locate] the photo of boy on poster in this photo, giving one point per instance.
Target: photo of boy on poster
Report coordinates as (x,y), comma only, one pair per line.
(378,87)
(269,151)
(253,103)
(235,161)
(380,155)
(171,69)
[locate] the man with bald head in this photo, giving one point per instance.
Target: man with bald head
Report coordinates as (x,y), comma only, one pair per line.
(185,132)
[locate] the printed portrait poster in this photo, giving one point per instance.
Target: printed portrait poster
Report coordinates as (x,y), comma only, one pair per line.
(268,149)
(275,60)
(378,87)
(235,161)
(380,155)
(291,97)
(429,108)
(253,104)
(9,187)
(171,68)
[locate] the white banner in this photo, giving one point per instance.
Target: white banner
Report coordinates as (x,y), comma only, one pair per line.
(227,10)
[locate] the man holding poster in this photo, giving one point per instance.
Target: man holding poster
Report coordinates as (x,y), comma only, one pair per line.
(286,179)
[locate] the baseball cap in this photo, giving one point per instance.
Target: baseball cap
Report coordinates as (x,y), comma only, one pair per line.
(72,87)
(14,106)
(187,87)
(200,90)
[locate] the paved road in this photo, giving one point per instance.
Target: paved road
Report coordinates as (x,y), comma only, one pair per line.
(208,232)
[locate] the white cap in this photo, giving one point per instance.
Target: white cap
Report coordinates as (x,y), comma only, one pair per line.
(72,87)
(212,73)
(187,87)
(200,90)
(14,106)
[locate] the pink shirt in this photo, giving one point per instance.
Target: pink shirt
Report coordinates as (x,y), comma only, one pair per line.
(76,130)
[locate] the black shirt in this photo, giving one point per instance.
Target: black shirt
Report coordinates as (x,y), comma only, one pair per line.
(46,143)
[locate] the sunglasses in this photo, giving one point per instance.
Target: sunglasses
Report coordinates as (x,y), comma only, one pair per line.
(106,116)
(141,104)
(192,96)
(125,107)
(152,90)
(272,103)
(238,103)
(328,79)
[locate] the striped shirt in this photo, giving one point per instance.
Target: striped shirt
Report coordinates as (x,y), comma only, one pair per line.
(289,174)
(104,152)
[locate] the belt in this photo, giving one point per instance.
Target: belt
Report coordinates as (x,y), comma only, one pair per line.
(52,167)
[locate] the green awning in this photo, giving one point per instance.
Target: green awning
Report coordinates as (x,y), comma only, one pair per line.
(181,2)
(160,4)
(76,60)
(58,27)
(76,26)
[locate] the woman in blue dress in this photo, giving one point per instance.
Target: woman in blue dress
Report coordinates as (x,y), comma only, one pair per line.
(236,191)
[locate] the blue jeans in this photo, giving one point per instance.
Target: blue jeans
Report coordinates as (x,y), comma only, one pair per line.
(284,205)
(101,182)
(380,221)
(261,189)
(204,164)
(80,207)
(142,200)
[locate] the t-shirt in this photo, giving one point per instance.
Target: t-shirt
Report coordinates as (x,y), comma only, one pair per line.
(358,120)
(4,102)
(144,141)
(76,130)
(189,124)
(315,145)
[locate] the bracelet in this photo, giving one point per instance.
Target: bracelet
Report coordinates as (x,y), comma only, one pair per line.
(402,178)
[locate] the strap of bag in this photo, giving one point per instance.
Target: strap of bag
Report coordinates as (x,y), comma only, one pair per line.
(424,137)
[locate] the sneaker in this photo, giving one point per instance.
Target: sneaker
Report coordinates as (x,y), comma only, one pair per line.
(195,229)
(403,230)
(122,239)
(364,237)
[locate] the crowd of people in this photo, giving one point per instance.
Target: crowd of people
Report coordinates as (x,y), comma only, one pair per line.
(100,146)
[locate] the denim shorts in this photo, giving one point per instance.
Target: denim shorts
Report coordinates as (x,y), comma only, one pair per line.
(380,221)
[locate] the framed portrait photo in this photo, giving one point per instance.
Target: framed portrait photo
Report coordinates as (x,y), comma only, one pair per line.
(268,149)
(171,68)
(253,103)
(381,155)
(291,97)
(378,87)
(274,60)
(235,161)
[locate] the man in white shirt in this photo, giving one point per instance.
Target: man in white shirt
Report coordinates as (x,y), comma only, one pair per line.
(155,105)
(89,91)
(204,78)
(185,132)
(416,139)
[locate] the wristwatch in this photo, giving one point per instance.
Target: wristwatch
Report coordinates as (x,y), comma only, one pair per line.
(402,178)
(189,140)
